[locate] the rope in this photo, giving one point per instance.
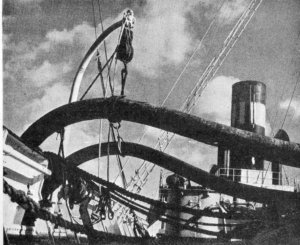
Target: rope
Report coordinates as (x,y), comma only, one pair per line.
(118,156)
(108,146)
(150,201)
(124,73)
(102,28)
(178,79)
(95,79)
(140,210)
(94,19)
(192,56)
(104,43)
(27,203)
(175,221)
(114,194)
(61,144)
(62,154)
(289,104)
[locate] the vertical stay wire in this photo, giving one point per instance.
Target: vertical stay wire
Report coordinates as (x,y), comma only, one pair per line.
(101,77)
(94,19)
(287,110)
(291,99)
(102,28)
(192,56)
(274,119)
(104,43)
(109,77)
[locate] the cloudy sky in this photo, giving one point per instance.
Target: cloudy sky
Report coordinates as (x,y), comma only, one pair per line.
(45,41)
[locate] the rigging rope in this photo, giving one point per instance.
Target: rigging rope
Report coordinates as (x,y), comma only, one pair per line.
(175,220)
(97,76)
(102,28)
(104,42)
(112,186)
(119,140)
(291,99)
(191,57)
(210,71)
(94,19)
(29,204)
(178,78)
(276,114)
(162,212)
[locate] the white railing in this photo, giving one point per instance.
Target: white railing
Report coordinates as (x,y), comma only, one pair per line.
(261,178)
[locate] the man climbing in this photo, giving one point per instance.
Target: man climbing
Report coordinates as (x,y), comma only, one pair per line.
(125,49)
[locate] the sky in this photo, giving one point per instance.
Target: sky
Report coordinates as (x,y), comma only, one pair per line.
(45,41)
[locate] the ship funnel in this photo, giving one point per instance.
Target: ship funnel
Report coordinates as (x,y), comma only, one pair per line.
(248,112)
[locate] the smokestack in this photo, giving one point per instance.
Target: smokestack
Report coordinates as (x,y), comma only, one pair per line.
(248,112)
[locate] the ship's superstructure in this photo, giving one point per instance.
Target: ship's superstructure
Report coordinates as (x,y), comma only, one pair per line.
(248,112)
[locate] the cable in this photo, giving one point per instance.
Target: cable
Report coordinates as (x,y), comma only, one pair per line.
(101,22)
(108,146)
(162,211)
(95,78)
(189,60)
(94,19)
(138,197)
(119,159)
(104,42)
(178,78)
(289,104)
(276,114)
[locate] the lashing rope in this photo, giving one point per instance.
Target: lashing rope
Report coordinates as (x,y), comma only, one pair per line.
(124,73)
(109,61)
(28,203)
(114,187)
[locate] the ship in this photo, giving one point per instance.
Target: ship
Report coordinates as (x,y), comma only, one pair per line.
(49,198)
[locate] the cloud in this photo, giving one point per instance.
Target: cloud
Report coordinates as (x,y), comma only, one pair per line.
(54,96)
(294,107)
(82,34)
(162,36)
(81,134)
(215,102)
(42,69)
(231,10)
(228,10)
(47,73)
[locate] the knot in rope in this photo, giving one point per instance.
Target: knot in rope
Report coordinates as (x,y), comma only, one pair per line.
(104,206)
